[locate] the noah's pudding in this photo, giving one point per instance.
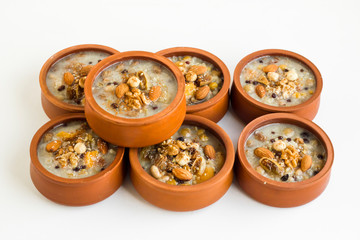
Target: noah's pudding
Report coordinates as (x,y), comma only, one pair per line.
(191,156)
(73,150)
(135,88)
(285,152)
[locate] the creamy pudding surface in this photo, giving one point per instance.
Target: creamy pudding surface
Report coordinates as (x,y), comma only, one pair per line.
(191,156)
(285,152)
(278,81)
(73,150)
(135,88)
(66,78)
(202,80)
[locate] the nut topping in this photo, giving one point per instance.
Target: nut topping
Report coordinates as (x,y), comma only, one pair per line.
(155,93)
(202,92)
(182,174)
(209,151)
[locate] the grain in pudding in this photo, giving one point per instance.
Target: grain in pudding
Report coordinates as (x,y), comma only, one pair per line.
(202,79)
(66,78)
(191,156)
(135,88)
(278,81)
(73,150)
(285,152)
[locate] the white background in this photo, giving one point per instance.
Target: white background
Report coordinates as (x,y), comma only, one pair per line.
(326,32)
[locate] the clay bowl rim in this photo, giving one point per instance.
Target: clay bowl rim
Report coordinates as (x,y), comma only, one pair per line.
(226,169)
(142,55)
(55,58)
(209,57)
(291,119)
(56,122)
(277,52)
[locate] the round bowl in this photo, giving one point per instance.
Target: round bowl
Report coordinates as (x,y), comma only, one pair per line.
(52,106)
(216,107)
(135,132)
(74,192)
(185,198)
(248,108)
(282,194)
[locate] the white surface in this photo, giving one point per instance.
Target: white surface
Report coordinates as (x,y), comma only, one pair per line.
(326,32)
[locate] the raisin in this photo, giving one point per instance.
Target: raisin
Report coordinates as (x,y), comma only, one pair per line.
(248,81)
(57,166)
(76,169)
(90,62)
(114,105)
(83,166)
(273,95)
(99,60)
(306,88)
(155,107)
(124,71)
(272,132)
(187,62)
(289,100)
(82,155)
(286,70)
(285,177)
(320,156)
(280,137)
(288,139)
(260,61)
(315,172)
(102,169)
(272,140)
(305,134)
(301,70)
(115,83)
(61,88)
(255,82)
(306,140)
(180,139)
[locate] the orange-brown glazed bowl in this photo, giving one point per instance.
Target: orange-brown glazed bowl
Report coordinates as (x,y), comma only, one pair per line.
(282,194)
(248,108)
(216,107)
(135,132)
(74,192)
(52,106)
(185,198)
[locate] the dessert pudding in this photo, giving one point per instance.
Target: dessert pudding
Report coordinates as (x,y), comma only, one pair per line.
(285,152)
(202,79)
(66,78)
(73,150)
(278,81)
(134,88)
(191,156)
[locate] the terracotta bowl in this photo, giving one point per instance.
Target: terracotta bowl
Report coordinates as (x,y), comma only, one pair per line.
(74,192)
(247,108)
(185,198)
(216,107)
(282,194)
(138,132)
(52,106)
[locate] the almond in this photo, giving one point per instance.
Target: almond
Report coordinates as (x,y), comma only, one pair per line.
(262,79)
(260,91)
(155,93)
(202,92)
(102,146)
(306,163)
(182,174)
(68,78)
(85,70)
(270,68)
(263,152)
(53,146)
(121,90)
(209,151)
(198,69)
